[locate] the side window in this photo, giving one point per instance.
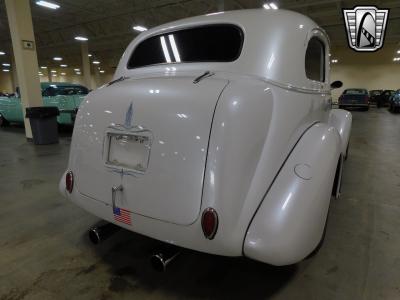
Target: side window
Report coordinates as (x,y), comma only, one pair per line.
(49,92)
(315,60)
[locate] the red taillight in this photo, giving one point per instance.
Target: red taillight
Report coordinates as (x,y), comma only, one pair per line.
(209,223)
(69,181)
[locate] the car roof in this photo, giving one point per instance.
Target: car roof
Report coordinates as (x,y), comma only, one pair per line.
(275,43)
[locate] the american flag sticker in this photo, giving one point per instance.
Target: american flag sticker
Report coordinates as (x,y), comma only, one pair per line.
(122,215)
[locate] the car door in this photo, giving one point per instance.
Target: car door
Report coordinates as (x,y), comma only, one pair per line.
(14,111)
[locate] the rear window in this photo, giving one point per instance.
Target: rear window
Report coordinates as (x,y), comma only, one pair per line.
(356,92)
(54,90)
(375,92)
(213,43)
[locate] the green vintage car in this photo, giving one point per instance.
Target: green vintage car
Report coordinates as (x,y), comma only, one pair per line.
(66,96)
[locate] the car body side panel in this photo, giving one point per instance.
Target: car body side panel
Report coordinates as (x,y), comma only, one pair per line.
(290,221)
(11,108)
(4,106)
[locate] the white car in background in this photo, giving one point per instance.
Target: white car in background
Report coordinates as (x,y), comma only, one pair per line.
(216,134)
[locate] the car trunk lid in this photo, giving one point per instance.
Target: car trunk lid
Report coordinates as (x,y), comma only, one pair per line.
(176,115)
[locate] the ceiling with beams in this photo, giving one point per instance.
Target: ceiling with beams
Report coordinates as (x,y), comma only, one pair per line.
(108,23)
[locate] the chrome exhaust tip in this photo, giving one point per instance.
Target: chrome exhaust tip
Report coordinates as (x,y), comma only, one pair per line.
(98,234)
(161,259)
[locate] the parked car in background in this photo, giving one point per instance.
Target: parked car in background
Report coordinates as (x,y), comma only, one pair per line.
(374,95)
(217,136)
(394,102)
(384,98)
(354,97)
(66,96)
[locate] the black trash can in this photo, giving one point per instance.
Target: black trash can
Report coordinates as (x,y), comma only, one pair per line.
(44,124)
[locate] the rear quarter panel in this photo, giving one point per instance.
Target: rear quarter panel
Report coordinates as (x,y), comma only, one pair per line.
(290,221)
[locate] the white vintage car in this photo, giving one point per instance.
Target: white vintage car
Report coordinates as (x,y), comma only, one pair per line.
(216,134)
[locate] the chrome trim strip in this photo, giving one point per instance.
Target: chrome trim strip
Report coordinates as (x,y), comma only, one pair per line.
(288,86)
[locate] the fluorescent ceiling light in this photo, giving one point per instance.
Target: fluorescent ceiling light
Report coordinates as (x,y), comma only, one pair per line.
(63,74)
(43,67)
(90,55)
(101,71)
(48,4)
(54,75)
(96,62)
(2,53)
(174,48)
(53,71)
(273,5)
(78,73)
(81,38)
(63,66)
(165,50)
(6,70)
(77,70)
(6,65)
(266,6)
(398,52)
(57,58)
(140,28)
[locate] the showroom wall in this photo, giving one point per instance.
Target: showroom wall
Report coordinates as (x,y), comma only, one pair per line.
(375,70)
(371,77)
(5,82)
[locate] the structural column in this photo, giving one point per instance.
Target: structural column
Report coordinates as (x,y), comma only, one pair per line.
(86,65)
(24,48)
(49,75)
(14,75)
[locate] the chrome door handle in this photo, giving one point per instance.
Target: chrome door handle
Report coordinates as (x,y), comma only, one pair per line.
(114,190)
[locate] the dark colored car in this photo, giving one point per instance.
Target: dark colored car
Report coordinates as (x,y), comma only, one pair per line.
(394,102)
(374,95)
(354,98)
(383,100)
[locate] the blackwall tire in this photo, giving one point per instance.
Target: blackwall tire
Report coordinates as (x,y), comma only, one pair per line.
(3,122)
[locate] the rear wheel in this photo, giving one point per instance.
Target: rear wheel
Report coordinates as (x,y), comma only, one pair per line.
(3,122)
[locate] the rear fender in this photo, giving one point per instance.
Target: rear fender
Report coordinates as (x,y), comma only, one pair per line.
(341,120)
(290,221)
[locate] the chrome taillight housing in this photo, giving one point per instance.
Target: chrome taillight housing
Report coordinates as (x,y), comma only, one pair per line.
(209,222)
(69,181)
